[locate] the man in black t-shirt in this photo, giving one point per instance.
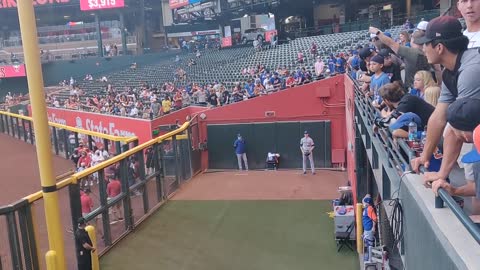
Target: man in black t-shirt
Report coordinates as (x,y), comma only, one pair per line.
(84,246)
(395,98)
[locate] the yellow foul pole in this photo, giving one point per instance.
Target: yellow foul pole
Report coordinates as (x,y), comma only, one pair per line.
(28,30)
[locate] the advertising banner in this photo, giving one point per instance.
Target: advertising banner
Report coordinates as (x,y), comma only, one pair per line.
(13,3)
(12,71)
(177,3)
(87,5)
(103,123)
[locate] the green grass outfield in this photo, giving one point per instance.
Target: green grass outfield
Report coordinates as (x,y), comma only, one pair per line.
(231,235)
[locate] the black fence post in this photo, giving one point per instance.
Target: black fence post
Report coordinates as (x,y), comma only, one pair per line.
(157,159)
(118,147)
(12,126)
(24,131)
(175,156)
(105,144)
(30,131)
(31,237)
(107,237)
(26,241)
(127,209)
(90,142)
(15,250)
(76,140)
(75,208)
(17,120)
(189,150)
(66,142)
(7,125)
(2,129)
(55,140)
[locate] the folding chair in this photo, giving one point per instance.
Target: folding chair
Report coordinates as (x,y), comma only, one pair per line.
(343,238)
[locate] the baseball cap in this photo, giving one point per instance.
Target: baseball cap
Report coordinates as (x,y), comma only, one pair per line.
(422,25)
(441,28)
(377,59)
(387,34)
(305,132)
(404,120)
(473,156)
(365,52)
(463,114)
(385,52)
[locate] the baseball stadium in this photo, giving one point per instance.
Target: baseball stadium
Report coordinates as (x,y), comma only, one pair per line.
(239,134)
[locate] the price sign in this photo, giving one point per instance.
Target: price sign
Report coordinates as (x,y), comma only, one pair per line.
(87,5)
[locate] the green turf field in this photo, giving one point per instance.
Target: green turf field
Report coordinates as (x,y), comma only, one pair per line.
(231,235)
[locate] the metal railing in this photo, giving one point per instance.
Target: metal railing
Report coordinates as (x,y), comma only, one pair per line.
(399,155)
(149,174)
(64,139)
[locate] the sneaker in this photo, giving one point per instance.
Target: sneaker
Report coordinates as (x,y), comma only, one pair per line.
(304,172)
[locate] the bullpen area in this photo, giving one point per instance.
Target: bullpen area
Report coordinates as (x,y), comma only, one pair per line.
(240,220)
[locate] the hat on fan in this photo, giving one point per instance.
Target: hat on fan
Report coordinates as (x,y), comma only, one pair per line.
(422,25)
(441,28)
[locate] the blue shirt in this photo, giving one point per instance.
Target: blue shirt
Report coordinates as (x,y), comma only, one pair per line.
(331,65)
(415,92)
(340,65)
(355,62)
(240,146)
(376,83)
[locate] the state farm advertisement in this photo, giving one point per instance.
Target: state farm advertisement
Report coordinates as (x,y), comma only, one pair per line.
(12,71)
(106,124)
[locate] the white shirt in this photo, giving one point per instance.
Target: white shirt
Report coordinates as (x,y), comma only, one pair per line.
(474,38)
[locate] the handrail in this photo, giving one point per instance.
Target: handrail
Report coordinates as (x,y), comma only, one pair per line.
(77,130)
(79,175)
(443,195)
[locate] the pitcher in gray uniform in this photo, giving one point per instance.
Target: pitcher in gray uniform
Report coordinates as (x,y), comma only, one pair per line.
(307,146)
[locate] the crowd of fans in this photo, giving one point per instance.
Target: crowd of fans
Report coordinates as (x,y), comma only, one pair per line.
(439,90)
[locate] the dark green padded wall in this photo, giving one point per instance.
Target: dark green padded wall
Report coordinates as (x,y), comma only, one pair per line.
(261,138)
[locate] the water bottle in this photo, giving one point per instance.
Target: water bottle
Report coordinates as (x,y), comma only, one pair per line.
(424,138)
(412,131)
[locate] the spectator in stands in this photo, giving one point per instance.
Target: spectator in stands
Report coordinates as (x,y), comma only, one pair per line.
(166,105)
(389,67)
(241,151)
(423,80)
(276,82)
(463,117)
(186,98)
(213,99)
(413,56)
(340,64)
(445,44)
(224,96)
(378,80)
(404,39)
(332,62)
(319,66)
(354,64)
(313,49)
(398,102)
(300,57)
(432,94)
(177,99)
(201,96)
(470,11)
